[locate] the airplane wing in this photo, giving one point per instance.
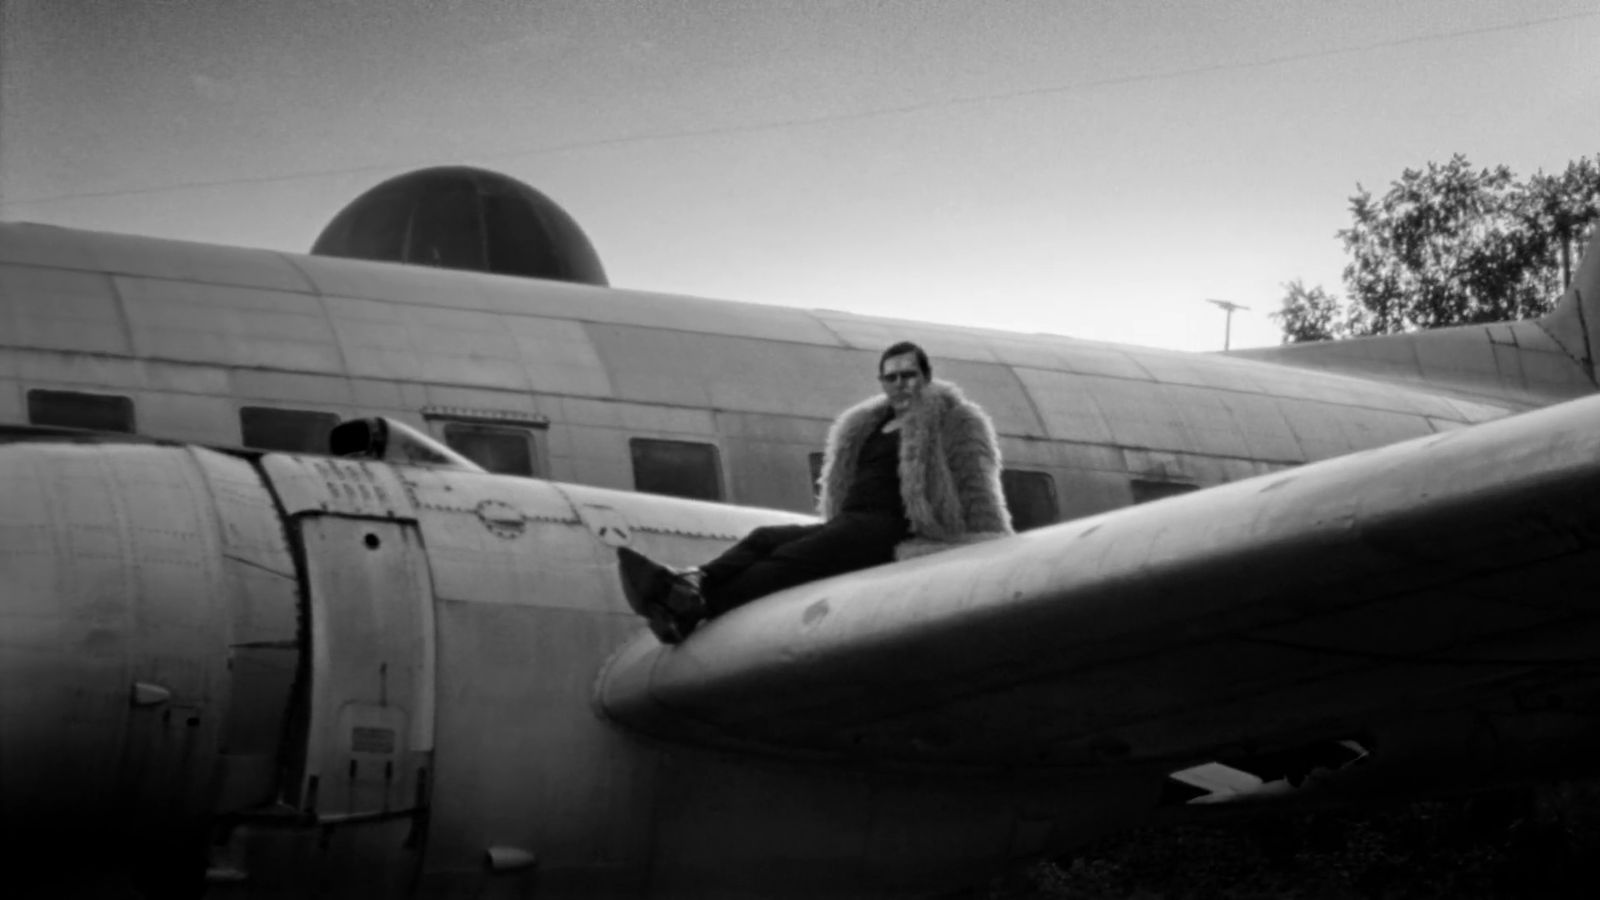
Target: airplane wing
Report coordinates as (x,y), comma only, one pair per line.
(1427,581)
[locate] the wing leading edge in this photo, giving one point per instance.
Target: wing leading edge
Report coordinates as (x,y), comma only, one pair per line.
(1297,606)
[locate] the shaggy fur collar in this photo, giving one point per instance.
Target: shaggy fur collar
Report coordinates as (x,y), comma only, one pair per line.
(949,463)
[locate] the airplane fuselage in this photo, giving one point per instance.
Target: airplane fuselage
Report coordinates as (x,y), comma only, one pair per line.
(698,398)
(379,680)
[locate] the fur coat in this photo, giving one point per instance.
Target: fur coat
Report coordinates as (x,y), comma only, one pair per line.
(949,464)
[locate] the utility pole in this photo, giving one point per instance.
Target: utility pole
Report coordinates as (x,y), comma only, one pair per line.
(1227,329)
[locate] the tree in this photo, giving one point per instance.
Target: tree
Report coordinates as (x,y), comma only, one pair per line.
(1442,247)
(1451,245)
(1563,209)
(1310,314)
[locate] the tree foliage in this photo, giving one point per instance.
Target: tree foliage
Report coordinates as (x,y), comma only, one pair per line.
(1449,245)
(1310,314)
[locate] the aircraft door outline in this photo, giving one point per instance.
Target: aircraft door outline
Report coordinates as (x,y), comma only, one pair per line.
(370,701)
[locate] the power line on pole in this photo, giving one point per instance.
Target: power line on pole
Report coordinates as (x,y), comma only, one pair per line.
(1227,329)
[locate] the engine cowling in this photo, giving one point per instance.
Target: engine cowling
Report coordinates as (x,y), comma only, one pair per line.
(148,660)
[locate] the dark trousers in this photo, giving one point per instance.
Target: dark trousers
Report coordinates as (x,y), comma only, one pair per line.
(774,557)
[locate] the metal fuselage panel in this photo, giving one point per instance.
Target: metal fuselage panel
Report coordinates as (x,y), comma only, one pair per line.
(528,608)
(371,694)
(192,333)
(184,630)
(148,647)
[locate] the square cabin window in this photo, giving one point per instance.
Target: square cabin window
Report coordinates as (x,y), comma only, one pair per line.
(676,468)
(1031,497)
(502,449)
(285,430)
(74,409)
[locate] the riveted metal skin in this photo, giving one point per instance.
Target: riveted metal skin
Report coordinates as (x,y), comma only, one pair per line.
(308,484)
(1437,573)
(148,653)
(435,701)
(419,697)
(295,675)
(192,333)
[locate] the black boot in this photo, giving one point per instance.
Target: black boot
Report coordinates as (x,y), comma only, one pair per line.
(668,598)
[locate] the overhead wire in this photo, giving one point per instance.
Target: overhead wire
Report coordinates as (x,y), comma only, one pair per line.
(828,118)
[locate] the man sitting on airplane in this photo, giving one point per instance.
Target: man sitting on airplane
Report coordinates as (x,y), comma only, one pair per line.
(921,461)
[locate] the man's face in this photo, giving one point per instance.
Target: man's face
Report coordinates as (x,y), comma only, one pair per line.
(901,380)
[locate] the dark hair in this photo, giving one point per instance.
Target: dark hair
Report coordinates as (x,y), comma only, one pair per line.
(907,347)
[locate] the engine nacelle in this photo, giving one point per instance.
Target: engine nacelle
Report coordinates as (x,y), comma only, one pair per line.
(151,647)
(287,676)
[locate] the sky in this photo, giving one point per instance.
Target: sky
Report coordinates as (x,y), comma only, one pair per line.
(1082,167)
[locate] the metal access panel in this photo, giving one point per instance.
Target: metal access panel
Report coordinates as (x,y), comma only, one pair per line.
(369,730)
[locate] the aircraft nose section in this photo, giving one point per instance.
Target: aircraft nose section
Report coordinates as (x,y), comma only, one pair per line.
(112,648)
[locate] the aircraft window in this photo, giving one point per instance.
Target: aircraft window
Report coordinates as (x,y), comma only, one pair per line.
(288,430)
(816,475)
(1031,497)
(72,409)
(1144,490)
(676,468)
(504,449)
